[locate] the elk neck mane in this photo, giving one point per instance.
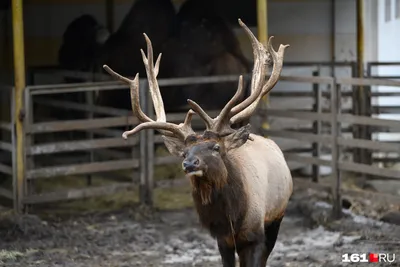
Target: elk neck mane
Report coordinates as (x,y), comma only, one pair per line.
(221,201)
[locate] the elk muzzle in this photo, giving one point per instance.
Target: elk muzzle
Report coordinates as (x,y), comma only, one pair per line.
(191,166)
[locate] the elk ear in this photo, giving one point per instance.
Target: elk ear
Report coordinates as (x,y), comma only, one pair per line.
(238,138)
(174,145)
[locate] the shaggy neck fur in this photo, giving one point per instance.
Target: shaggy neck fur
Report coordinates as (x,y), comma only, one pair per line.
(220,199)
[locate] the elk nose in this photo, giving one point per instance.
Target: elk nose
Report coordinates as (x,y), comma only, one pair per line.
(191,164)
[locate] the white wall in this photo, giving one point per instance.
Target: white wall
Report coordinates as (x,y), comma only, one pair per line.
(388,42)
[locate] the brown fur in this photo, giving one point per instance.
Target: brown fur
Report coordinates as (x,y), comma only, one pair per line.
(219,196)
(247,184)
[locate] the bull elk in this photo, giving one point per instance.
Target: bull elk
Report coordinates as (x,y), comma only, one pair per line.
(241,183)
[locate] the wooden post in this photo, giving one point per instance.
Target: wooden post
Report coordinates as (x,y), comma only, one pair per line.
(149,153)
(29,186)
(316,147)
(143,196)
(89,99)
(361,96)
(19,82)
(262,21)
(355,111)
(146,150)
(368,110)
(335,132)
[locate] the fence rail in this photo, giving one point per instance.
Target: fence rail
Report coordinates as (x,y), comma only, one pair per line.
(6,141)
(102,149)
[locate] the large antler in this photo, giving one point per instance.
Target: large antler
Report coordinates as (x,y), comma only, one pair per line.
(168,129)
(232,114)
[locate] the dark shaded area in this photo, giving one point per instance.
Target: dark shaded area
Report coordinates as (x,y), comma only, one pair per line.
(346,203)
(75,55)
(392,217)
(198,40)
(5,4)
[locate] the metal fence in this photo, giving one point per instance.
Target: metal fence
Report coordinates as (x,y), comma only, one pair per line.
(384,106)
(90,145)
(340,144)
(99,150)
(6,144)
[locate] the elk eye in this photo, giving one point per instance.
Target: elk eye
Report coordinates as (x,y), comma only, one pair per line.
(183,154)
(216,147)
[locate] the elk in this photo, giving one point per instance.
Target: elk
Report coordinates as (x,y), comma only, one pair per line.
(241,183)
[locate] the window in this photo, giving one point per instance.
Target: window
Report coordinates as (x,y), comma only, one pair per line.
(397,9)
(387,10)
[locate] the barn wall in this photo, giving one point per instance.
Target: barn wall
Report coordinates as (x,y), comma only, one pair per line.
(303,24)
(306,26)
(45,22)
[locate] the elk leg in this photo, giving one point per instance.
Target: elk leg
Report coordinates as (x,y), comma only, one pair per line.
(271,234)
(253,254)
(227,254)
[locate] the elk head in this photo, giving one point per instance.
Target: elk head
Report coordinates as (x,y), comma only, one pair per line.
(205,155)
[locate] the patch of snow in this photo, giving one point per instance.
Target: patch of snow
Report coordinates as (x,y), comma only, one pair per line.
(318,237)
(310,240)
(362,219)
(322,204)
(180,251)
(350,239)
(356,218)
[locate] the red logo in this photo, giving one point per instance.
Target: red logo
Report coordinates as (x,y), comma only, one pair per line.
(373,257)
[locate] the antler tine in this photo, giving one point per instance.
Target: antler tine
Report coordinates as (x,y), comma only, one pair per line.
(134,92)
(171,127)
(186,126)
(202,114)
(231,114)
(152,72)
(243,112)
(261,58)
(165,128)
(223,117)
(168,129)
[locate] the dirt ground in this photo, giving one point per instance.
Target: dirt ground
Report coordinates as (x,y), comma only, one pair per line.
(141,237)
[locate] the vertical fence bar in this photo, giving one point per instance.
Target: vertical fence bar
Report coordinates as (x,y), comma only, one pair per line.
(368,112)
(14,152)
(19,81)
(143,89)
(361,99)
(29,185)
(355,111)
(316,148)
(150,154)
(90,135)
(335,128)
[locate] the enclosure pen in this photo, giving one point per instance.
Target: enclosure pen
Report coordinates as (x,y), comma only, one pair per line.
(316,159)
(340,110)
